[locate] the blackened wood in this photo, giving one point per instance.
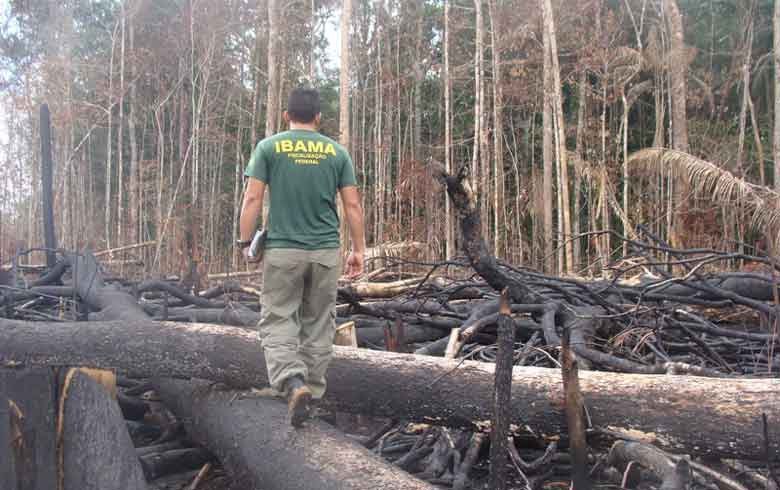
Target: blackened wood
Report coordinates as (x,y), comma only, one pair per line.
(177,292)
(7,472)
(132,408)
(158,448)
(47,191)
(502,393)
(472,453)
(140,430)
(651,458)
(575,422)
(254,441)
(711,416)
(156,465)
(32,412)
(106,301)
(97,451)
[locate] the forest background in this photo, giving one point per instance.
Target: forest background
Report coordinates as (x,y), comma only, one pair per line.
(573,117)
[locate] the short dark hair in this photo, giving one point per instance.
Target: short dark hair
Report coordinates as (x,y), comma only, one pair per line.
(303,105)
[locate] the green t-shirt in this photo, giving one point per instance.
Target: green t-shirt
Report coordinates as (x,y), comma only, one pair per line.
(303,170)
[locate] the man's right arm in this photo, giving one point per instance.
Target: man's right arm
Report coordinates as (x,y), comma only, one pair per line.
(353,213)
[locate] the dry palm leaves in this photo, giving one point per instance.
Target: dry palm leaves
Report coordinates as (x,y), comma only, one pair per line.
(719,184)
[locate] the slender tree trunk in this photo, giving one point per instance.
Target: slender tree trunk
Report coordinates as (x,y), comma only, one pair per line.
(478,99)
(757,139)
(272,101)
(678,73)
(547,156)
(344,74)
(120,194)
(563,166)
(344,97)
(580,151)
(776,53)
(624,137)
(379,199)
(499,216)
(313,42)
(109,146)
(47,187)
(745,91)
(135,183)
(449,220)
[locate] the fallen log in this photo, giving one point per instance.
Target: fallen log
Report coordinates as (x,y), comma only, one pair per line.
(69,448)
(379,290)
(96,450)
(701,416)
(7,471)
(157,465)
(125,248)
(179,293)
(255,442)
(106,301)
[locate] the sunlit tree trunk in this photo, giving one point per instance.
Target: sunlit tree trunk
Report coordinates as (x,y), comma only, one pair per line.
(344,97)
(678,72)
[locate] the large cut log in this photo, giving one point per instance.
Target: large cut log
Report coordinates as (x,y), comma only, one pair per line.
(698,415)
(82,445)
(97,453)
(255,442)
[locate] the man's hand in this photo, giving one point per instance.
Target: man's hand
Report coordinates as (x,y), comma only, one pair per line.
(354,265)
(251,260)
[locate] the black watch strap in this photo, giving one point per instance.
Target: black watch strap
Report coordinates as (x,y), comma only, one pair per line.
(243,243)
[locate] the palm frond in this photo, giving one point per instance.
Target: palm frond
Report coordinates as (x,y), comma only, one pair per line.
(708,179)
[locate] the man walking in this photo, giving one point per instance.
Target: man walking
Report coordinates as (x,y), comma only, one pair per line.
(303,171)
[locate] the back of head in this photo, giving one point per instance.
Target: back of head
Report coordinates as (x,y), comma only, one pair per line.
(303,105)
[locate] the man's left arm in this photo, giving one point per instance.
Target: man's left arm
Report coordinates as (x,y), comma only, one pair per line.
(251,208)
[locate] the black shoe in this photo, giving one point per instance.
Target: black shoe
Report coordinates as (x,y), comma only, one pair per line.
(298,400)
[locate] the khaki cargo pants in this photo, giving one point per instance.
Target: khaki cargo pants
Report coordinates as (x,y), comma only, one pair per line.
(297,324)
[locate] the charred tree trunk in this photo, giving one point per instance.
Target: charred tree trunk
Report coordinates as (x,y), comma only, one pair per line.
(96,450)
(47,191)
(259,448)
(711,416)
(28,450)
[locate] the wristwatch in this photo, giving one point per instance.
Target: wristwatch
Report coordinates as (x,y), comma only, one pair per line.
(242,244)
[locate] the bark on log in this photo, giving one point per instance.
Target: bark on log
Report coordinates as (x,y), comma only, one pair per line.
(30,448)
(255,442)
(97,453)
(502,394)
(107,302)
(379,290)
(697,415)
(157,465)
(6,460)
